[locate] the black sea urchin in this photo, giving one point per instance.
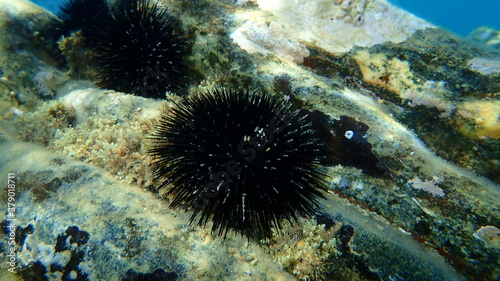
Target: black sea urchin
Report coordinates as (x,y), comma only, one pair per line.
(139,48)
(243,160)
(80,14)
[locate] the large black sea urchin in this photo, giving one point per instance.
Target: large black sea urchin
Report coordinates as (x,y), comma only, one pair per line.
(242,160)
(139,48)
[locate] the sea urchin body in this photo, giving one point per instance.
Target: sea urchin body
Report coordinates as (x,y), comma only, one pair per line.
(241,160)
(139,48)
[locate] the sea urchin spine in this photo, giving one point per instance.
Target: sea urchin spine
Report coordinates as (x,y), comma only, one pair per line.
(242,160)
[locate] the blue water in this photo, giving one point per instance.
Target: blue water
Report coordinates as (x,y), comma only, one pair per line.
(51,5)
(458,16)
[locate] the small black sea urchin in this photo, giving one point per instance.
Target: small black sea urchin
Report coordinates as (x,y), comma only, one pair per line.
(80,14)
(242,160)
(139,48)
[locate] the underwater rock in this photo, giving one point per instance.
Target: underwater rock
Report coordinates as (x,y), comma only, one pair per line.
(95,227)
(435,89)
(157,275)
(490,235)
(486,35)
(430,97)
(258,37)
(26,50)
(344,142)
(336,26)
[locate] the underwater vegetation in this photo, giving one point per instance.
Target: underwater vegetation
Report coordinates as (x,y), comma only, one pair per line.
(136,46)
(243,160)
